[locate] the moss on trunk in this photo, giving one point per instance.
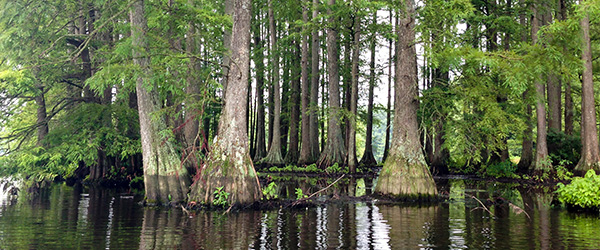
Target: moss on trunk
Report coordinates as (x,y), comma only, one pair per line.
(229,167)
(405,177)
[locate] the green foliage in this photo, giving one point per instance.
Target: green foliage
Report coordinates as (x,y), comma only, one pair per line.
(505,169)
(271,191)
(297,169)
(75,140)
(299,194)
(221,197)
(581,192)
(562,172)
(563,148)
(335,168)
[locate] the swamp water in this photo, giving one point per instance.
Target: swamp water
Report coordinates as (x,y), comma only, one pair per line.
(63,217)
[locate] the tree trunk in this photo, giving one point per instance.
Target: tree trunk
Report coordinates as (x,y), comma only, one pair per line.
(165,178)
(568,109)
(541,155)
(228,164)
(305,153)
(314,89)
(291,156)
(554,85)
(227,44)
(368,158)
(388,126)
(334,150)
(41,122)
(274,156)
(352,158)
(284,116)
(261,147)
(590,155)
(405,173)
(568,97)
(191,120)
(554,103)
(527,145)
(439,155)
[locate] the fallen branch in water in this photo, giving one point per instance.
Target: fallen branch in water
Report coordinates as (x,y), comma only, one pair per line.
(315,193)
(518,210)
(483,205)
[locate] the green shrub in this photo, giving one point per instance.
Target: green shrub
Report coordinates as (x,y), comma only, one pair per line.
(500,170)
(581,192)
(270,192)
(563,148)
(300,194)
(221,197)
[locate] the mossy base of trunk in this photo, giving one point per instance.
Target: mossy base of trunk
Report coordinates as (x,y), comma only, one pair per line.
(401,178)
(332,154)
(584,165)
(231,170)
(273,158)
(169,191)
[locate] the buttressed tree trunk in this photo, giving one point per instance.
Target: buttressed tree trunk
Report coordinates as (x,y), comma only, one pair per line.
(334,150)
(590,155)
(228,164)
(305,156)
(165,178)
(405,173)
(368,158)
(274,156)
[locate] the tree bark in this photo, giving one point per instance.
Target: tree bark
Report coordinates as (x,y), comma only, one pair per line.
(405,173)
(274,156)
(527,144)
(260,149)
(42,123)
(291,156)
(541,155)
(388,126)
(165,178)
(228,164)
(334,150)
(590,155)
(305,152)
(227,44)
(439,155)
(368,158)
(568,97)
(191,120)
(554,103)
(314,90)
(568,109)
(352,158)
(346,78)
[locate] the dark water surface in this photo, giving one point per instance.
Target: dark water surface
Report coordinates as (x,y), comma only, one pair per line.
(63,217)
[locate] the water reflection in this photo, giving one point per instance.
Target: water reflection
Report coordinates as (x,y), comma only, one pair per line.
(75,217)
